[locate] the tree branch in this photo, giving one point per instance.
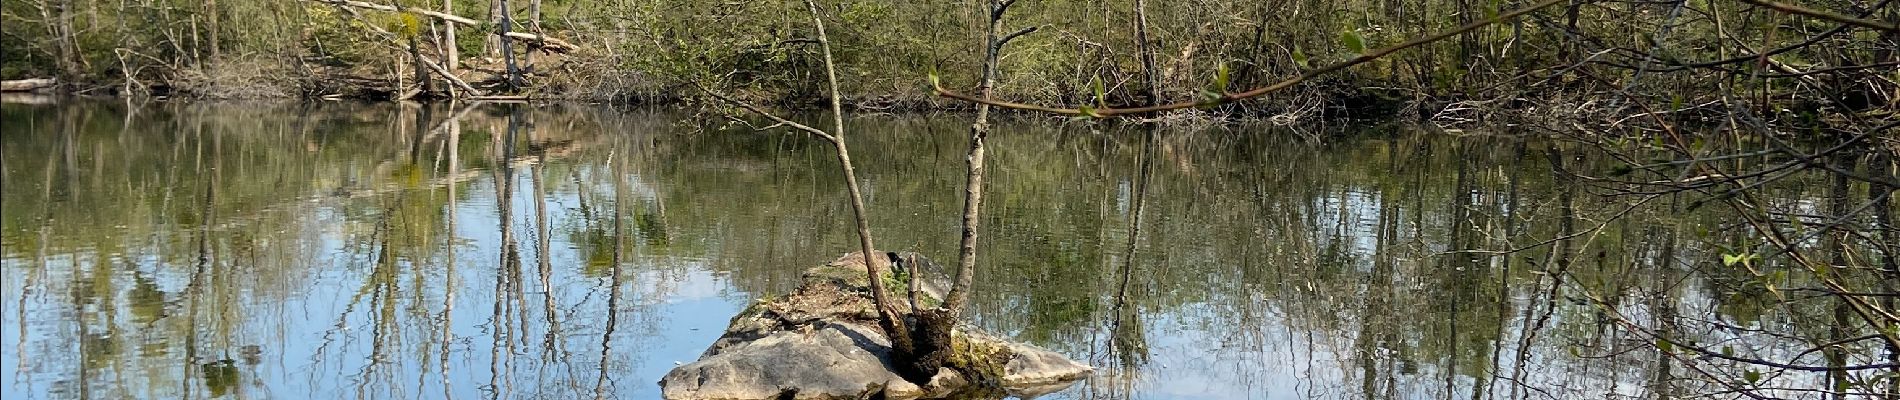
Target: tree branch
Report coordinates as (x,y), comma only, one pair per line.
(1794,9)
(1012,36)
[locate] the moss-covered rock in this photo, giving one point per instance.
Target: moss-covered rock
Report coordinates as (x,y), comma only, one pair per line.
(822,342)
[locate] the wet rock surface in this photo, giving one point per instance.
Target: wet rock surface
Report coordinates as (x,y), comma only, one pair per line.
(822,341)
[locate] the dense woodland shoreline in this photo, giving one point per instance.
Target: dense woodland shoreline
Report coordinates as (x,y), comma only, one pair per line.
(1680,60)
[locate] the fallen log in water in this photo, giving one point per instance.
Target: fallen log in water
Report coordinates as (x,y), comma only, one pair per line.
(28,85)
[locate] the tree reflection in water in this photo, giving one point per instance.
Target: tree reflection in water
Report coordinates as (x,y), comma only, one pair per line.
(330,250)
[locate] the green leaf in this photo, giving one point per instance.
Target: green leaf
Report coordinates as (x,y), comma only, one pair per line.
(1354,42)
(1087,111)
(1751,376)
(1729,260)
(1101,92)
(1728,351)
(1220,79)
(935,81)
(1665,347)
(1299,56)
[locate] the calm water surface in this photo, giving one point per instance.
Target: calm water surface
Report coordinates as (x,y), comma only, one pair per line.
(519,252)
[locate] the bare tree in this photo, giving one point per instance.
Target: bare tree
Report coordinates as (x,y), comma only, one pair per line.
(888,318)
(979,131)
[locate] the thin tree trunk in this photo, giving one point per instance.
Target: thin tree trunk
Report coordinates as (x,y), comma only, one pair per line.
(211,28)
(973,180)
(493,46)
(534,16)
(893,324)
(508,49)
(421,70)
(453,57)
(873,264)
(61,28)
(1570,23)
(533,25)
(1147,54)
(197,40)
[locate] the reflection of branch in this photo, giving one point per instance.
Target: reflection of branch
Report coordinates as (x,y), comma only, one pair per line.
(1873,315)
(1766,363)
(775,118)
(1257,92)
(1606,223)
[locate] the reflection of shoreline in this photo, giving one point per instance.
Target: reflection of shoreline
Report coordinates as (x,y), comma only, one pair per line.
(554,151)
(35,99)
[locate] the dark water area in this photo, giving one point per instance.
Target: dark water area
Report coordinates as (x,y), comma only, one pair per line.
(563,251)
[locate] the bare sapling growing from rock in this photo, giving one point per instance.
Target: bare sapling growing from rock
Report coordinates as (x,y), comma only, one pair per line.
(979,131)
(933,327)
(922,341)
(888,318)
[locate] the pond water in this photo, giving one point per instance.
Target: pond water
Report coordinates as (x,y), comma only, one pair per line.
(566,251)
